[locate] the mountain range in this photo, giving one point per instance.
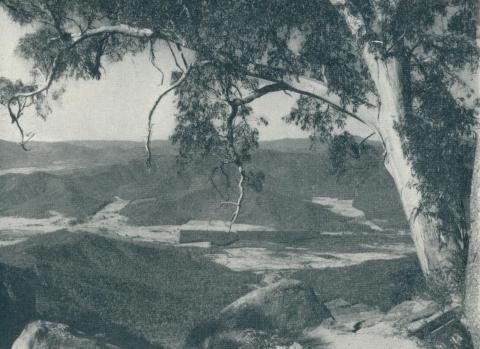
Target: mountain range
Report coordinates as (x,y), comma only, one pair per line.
(78,178)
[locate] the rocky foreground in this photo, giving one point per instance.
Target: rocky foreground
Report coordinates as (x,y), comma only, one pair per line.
(263,290)
(288,315)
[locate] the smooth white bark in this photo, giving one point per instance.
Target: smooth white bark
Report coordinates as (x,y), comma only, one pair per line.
(114,29)
(472,285)
(435,252)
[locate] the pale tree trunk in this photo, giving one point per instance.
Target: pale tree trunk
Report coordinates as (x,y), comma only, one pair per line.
(437,258)
(472,278)
(437,254)
(472,284)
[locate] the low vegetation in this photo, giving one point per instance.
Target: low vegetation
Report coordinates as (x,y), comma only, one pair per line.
(127,291)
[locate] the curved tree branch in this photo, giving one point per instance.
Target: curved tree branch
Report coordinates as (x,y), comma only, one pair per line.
(152,111)
(275,87)
(153,61)
(300,85)
(76,39)
(317,89)
(174,56)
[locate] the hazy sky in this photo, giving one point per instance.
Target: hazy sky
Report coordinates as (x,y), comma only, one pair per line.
(116,106)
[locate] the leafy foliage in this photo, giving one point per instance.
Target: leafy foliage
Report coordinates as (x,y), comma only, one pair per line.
(315,116)
(9,88)
(438,128)
(208,126)
(342,147)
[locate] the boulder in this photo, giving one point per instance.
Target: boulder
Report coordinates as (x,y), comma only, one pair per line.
(287,305)
(49,335)
(267,317)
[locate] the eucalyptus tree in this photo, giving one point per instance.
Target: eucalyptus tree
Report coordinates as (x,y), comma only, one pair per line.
(394,65)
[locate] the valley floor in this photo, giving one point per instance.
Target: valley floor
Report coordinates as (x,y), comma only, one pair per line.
(377,269)
(265,248)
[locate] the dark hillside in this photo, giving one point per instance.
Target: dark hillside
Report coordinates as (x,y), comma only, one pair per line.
(139,296)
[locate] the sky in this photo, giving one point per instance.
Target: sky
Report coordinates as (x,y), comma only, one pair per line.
(116,107)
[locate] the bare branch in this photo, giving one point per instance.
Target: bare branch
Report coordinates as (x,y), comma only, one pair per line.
(174,56)
(153,60)
(237,161)
(76,39)
(152,111)
(25,138)
(239,202)
(366,138)
(315,89)
(304,89)
(179,48)
(319,90)
(55,65)
(122,29)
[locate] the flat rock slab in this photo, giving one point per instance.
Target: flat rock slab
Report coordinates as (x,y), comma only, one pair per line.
(377,337)
(411,311)
(353,317)
(433,323)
